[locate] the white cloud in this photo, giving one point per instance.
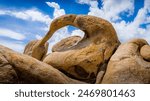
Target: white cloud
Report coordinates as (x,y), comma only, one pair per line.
(2,12)
(147,4)
(35,15)
(38,37)
(84,1)
(27,15)
(112,11)
(53,5)
(16,46)
(30,15)
(11,34)
(58,35)
(132,29)
(77,32)
(57,11)
(61,33)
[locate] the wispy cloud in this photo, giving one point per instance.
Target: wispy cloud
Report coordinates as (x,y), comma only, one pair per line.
(77,32)
(57,10)
(84,1)
(30,14)
(37,16)
(11,34)
(38,37)
(112,11)
(15,45)
(61,33)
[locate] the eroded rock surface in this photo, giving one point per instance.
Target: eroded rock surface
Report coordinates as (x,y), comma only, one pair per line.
(96,58)
(145,52)
(66,43)
(127,65)
(84,60)
(39,52)
(20,68)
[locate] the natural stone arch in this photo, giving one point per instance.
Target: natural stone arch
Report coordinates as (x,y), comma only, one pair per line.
(88,24)
(84,60)
(75,36)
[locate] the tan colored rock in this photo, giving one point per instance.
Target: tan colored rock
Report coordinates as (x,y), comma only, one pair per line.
(20,68)
(145,52)
(7,73)
(39,52)
(127,65)
(66,43)
(83,60)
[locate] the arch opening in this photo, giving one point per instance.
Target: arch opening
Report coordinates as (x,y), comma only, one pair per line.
(69,33)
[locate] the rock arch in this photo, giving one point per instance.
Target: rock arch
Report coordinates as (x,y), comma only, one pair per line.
(84,60)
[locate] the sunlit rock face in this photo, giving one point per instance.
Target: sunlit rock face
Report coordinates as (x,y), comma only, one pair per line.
(128,65)
(98,57)
(84,60)
(33,49)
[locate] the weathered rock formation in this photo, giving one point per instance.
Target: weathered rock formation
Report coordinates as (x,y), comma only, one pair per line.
(127,65)
(66,43)
(38,52)
(84,60)
(20,68)
(145,52)
(96,58)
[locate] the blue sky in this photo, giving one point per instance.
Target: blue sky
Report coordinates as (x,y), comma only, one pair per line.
(24,20)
